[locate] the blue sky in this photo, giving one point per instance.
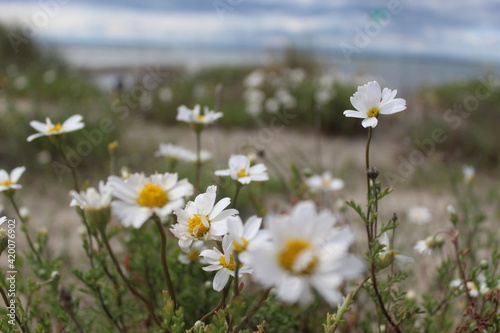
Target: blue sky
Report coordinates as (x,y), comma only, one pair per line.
(459,28)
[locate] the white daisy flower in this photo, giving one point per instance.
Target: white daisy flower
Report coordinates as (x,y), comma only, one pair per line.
(202,219)
(96,205)
(419,215)
(91,198)
(193,253)
(430,245)
(243,237)
(469,172)
(224,263)
(9,182)
(195,117)
(179,153)
(139,197)
(325,182)
(369,102)
(241,171)
(471,286)
(389,255)
(305,252)
(71,124)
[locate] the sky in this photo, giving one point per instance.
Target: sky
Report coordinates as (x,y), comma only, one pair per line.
(452,28)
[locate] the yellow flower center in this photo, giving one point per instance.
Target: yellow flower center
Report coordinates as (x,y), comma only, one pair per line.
(231,265)
(196,227)
(327,182)
(373,112)
(242,173)
(152,195)
(240,247)
(200,117)
(7,182)
(193,255)
(56,128)
(291,252)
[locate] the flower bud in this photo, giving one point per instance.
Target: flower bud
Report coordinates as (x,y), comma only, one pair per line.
(98,218)
(483,264)
(55,275)
(385,259)
(4,240)
(372,173)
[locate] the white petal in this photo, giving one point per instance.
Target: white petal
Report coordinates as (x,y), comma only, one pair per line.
(369,122)
(220,280)
(354,114)
(218,208)
(16,174)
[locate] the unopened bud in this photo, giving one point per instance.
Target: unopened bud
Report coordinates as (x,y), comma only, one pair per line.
(483,264)
(372,173)
(55,275)
(98,218)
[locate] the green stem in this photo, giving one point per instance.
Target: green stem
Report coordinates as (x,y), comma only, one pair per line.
(164,263)
(345,306)
(220,305)
(381,302)
(132,289)
(72,169)
(253,311)
(237,192)
(25,230)
(236,286)
(367,166)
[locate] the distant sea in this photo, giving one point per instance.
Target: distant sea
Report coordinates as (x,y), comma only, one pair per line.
(406,72)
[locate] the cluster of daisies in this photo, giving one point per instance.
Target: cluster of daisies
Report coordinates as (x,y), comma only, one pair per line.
(293,253)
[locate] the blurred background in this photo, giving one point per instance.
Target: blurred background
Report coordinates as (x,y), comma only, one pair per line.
(134,62)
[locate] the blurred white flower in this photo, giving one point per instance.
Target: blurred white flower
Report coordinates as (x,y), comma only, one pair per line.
(195,116)
(199,91)
(49,76)
(20,82)
(419,215)
(325,182)
(71,124)
(272,105)
(165,94)
(24,212)
(139,197)
(469,173)
(241,171)
(305,252)
(323,96)
(369,102)
(430,245)
(296,75)
(192,254)
(286,98)
(253,109)
(92,198)
(389,255)
(471,286)
(223,263)
(202,219)
(254,96)
(43,157)
(254,79)
(9,182)
(179,153)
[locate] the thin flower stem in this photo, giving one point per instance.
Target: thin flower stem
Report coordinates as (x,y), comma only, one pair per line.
(350,297)
(220,305)
(236,287)
(381,302)
(24,328)
(368,193)
(132,289)
(25,230)
(164,263)
(198,161)
(72,169)
(253,311)
(236,193)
